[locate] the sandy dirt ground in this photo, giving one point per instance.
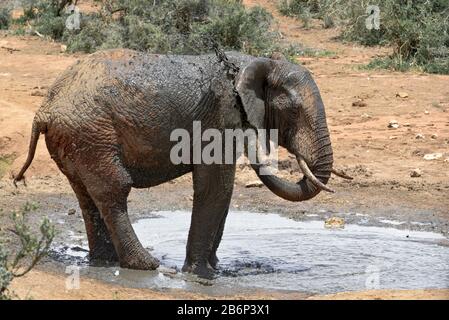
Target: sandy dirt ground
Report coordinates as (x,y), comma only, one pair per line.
(52,286)
(48,285)
(360,104)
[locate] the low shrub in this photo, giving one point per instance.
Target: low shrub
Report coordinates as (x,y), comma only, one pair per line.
(304,10)
(4,18)
(175,26)
(417,30)
(31,248)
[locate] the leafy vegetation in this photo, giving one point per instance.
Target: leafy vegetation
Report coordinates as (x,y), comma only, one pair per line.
(30,250)
(174,26)
(300,51)
(304,10)
(4,18)
(417,30)
(5,162)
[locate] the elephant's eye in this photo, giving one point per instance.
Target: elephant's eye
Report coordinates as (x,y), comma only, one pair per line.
(281,101)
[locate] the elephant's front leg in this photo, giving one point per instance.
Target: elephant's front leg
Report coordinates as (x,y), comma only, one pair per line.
(213,185)
(213,259)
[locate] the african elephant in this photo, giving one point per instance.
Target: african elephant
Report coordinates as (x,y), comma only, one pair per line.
(107,122)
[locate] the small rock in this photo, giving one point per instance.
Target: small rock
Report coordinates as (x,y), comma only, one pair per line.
(166,270)
(393,124)
(392,137)
(402,94)
(254,184)
(359,103)
(415,173)
(63,48)
(366,116)
(407,124)
(71,212)
(334,223)
(433,156)
(434,136)
(426,112)
(419,136)
(40,87)
(117,273)
(37,93)
(446,160)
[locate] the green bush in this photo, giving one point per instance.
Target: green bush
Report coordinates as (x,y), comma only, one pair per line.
(304,10)
(4,18)
(31,249)
(92,35)
(139,35)
(234,27)
(45,16)
(175,26)
(51,26)
(295,8)
(417,30)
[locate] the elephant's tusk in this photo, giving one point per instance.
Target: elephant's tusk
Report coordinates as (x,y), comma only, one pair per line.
(341,174)
(309,175)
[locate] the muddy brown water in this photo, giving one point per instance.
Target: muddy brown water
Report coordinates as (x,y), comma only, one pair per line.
(275,253)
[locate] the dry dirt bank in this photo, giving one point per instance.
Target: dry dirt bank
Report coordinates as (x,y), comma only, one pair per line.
(35,285)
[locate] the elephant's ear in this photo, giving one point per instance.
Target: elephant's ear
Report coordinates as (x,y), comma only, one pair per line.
(250,85)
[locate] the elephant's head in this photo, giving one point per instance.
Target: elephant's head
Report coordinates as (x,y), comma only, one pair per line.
(276,94)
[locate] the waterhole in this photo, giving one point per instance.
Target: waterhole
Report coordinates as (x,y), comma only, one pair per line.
(271,252)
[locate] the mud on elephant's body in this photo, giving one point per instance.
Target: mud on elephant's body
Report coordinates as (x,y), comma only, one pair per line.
(107,122)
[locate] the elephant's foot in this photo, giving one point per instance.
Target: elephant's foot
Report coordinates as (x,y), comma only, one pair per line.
(103,254)
(139,261)
(202,270)
(101,248)
(213,261)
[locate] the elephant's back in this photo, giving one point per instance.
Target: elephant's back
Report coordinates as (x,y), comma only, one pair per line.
(129,93)
(86,75)
(162,72)
(73,108)
(106,73)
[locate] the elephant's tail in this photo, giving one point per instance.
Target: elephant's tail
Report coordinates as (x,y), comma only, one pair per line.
(39,126)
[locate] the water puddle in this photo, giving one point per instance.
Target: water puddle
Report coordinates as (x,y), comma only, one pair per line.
(271,252)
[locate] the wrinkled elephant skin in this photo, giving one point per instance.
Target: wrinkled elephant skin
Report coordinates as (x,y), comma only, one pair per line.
(107,122)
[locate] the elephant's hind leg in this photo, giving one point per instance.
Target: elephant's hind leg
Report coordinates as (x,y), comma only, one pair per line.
(101,248)
(109,187)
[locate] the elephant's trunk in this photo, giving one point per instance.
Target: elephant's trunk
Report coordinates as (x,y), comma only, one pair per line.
(316,163)
(308,187)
